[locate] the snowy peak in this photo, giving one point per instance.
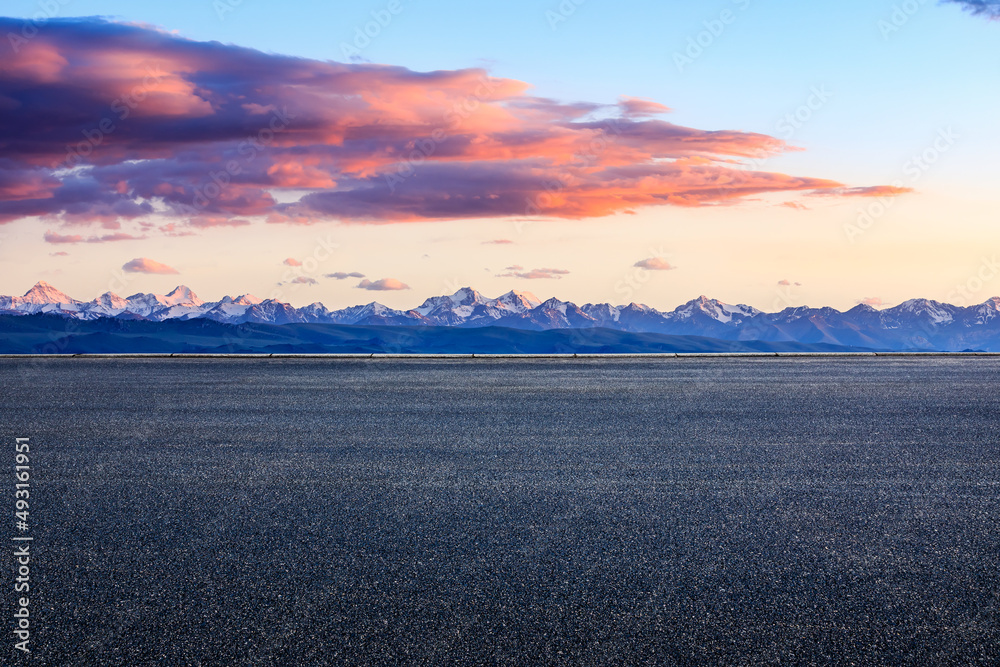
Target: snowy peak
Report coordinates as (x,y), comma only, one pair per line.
(986,311)
(110,300)
(715,309)
(181,296)
(939,313)
(516,302)
(467,306)
(554,304)
(466,298)
(43,293)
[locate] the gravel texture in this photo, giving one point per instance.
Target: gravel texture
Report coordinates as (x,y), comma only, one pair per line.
(606,512)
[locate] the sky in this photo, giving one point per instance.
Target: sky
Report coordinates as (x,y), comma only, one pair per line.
(769,153)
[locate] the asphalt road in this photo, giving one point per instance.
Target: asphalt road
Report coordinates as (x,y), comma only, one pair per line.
(676,511)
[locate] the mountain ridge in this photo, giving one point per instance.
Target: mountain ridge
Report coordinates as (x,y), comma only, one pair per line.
(916,324)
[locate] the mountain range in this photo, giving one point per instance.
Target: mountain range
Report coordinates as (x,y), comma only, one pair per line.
(918,324)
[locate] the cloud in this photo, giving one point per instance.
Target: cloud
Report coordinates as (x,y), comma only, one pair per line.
(534,274)
(292,262)
(206,221)
(303,280)
(788,283)
(873,301)
(498,242)
(383,285)
(52,237)
(655,264)
(59,254)
(350,136)
(988,8)
(171,229)
(344,276)
(144,265)
(637,106)
(873,191)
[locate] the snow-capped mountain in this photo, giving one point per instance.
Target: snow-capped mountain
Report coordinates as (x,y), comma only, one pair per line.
(42,298)
(913,325)
(712,309)
(516,302)
(469,307)
(451,310)
(43,293)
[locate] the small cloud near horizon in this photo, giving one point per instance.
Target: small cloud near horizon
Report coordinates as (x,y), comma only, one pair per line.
(291,261)
(498,242)
(303,280)
(53,238)
(383,285)
(869,191)
(534,274)
(655,264)
(59,254)
(340,275)
(788,283)
(873,301)
(146,265)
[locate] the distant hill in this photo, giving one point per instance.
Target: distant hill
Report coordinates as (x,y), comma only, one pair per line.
(51,334)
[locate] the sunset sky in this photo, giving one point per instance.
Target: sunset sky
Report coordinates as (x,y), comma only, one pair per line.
(768,153)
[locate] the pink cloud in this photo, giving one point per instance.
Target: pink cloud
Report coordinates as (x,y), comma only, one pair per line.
(292,262)
(636,106)
(498,242)
(206,221)
(216,129)
(383,285)
(873,301)
(655,264)
(144,265)
(52,237)
(534,274)
(172,229)
(872,191)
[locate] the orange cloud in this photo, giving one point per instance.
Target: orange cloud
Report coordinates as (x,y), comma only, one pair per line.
(383,285)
